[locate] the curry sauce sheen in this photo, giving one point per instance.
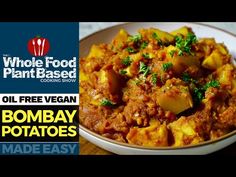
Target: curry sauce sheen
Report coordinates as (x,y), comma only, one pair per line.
(158,88)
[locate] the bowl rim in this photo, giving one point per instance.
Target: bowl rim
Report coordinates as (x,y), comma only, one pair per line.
(204,143)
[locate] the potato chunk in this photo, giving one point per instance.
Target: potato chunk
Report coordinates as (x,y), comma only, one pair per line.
(225,75)
(120,40)
(95,52)
(222,49)
(180,63)
(174,96)
(214,61)
(153,135)
(184,132)
(83,76)
(109,81)
(183,30)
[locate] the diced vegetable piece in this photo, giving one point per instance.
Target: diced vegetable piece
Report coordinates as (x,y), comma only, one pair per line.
(225,75)
(222,49)
(82,76)
(180,63)
(184,132)
(95,102)
(183,30)
(214,61)
(164,36)
(120,39)
(136,57)
(207,41)
(81,90)
(109,80)
(153,135)
(175,97)
(95,52)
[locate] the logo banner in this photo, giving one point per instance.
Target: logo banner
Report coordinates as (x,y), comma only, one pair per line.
(39,92)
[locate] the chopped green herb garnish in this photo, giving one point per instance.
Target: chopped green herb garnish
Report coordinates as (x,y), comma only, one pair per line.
(146,55)
(155,36)
(185,45)
(127,61)
(186,77)
(172,52)
(130,50)
(154,78)
(123,72)
(199,92)
(144,69)
(213,83)
(198,95)
(144,45)
(167,66)
(106,102)
(191,38)
(135,38)
(180,53)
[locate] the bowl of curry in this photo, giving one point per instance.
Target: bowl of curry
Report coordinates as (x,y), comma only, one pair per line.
(158,88)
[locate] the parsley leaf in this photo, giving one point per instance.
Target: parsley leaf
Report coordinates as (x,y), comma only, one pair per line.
(127,61)
(144,45)
(180,53)
(144,69)
(191,38)
(199,93)
(154,78)
(130,50)
(213,83)
(146,55)
(167,66)
(155,36)
(135,38)
(186,77)
(106,102)
(172,52)
(185,45)
(123,72)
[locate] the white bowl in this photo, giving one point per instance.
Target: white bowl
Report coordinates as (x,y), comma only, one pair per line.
(105,36)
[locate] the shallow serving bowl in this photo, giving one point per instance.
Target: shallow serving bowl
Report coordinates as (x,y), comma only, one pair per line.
(105,36)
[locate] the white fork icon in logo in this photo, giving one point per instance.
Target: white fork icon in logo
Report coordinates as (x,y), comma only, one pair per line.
(33,42)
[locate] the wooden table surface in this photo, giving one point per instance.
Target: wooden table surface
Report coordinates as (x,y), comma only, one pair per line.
(87,148)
